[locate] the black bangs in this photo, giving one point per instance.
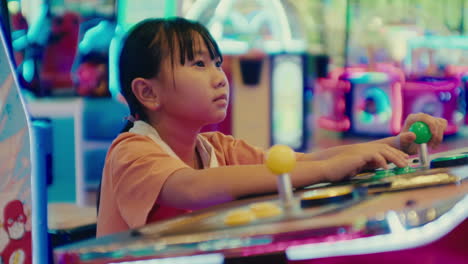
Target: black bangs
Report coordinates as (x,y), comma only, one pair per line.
(187,35)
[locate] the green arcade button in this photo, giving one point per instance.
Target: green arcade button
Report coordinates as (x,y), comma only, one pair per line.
(379,174)
(404,170)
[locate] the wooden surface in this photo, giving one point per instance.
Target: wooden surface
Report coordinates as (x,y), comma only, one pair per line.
(69,215)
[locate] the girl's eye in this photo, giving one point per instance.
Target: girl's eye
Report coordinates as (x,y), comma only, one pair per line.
(219,64)
(199,64)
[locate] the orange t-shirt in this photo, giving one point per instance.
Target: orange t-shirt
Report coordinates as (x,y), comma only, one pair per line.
(136,168)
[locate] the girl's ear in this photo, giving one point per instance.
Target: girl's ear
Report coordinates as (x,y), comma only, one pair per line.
(146,92)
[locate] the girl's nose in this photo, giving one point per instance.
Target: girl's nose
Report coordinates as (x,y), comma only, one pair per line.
(220,80)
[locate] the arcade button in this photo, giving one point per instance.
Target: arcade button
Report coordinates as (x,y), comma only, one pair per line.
(404,170)
(265,210)
(379,174)
(450,161)
(239,217)
(326,196)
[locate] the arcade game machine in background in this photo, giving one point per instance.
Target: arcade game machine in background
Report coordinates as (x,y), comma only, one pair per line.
(23,201)
(59,27)
(265,61)
(438,67)
(54,44)
(378,86)
(51,30)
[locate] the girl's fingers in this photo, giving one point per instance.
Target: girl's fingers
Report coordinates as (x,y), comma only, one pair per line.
(442,125)
(380,161)
(397,157)
(437,127)
(402,158)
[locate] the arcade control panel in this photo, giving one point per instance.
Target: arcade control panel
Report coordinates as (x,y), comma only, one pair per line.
(294,206)
(422,173)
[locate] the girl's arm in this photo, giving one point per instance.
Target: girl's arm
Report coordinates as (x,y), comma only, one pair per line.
(330,152)
(194,189)
(403,141)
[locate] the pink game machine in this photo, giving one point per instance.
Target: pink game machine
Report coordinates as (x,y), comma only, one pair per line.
(331,99)
(437,83)
(461,72)
(441,97)
(361,101)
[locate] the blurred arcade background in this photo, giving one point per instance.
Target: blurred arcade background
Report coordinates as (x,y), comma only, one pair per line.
(308,74)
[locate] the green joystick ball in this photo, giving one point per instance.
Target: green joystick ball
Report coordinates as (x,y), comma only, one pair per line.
(423,135)
(422,131)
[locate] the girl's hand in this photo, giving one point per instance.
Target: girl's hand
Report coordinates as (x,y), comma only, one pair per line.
(406,138)
(365,156)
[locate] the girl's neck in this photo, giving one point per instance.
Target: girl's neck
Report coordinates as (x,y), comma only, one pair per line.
(181,138)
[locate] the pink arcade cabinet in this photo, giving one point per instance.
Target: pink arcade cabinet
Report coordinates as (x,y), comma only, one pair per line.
(461,72)
(331,99)
(435,96)
(361,100)
(375,103)
(436,66)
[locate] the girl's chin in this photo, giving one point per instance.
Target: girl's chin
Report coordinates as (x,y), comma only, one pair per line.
(218,119)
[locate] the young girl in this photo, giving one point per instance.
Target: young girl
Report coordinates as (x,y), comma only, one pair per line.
(172,80)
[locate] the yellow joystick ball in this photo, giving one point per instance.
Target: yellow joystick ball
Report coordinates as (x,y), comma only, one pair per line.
(280,159)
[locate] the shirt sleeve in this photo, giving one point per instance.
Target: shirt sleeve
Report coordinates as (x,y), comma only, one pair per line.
(139,169)
(231,151)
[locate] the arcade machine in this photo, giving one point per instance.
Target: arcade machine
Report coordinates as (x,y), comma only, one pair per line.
(78,151)
(440,97)
(365,96)
(265,63)
(374,101)
(23,203)
(436,67)
(414,65)
(412,214)
(79,143)
(330,98)
(51,33)
(360,100)
(90,67)
(461,73)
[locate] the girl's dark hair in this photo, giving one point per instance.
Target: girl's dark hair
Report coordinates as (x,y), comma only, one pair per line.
(146,46)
